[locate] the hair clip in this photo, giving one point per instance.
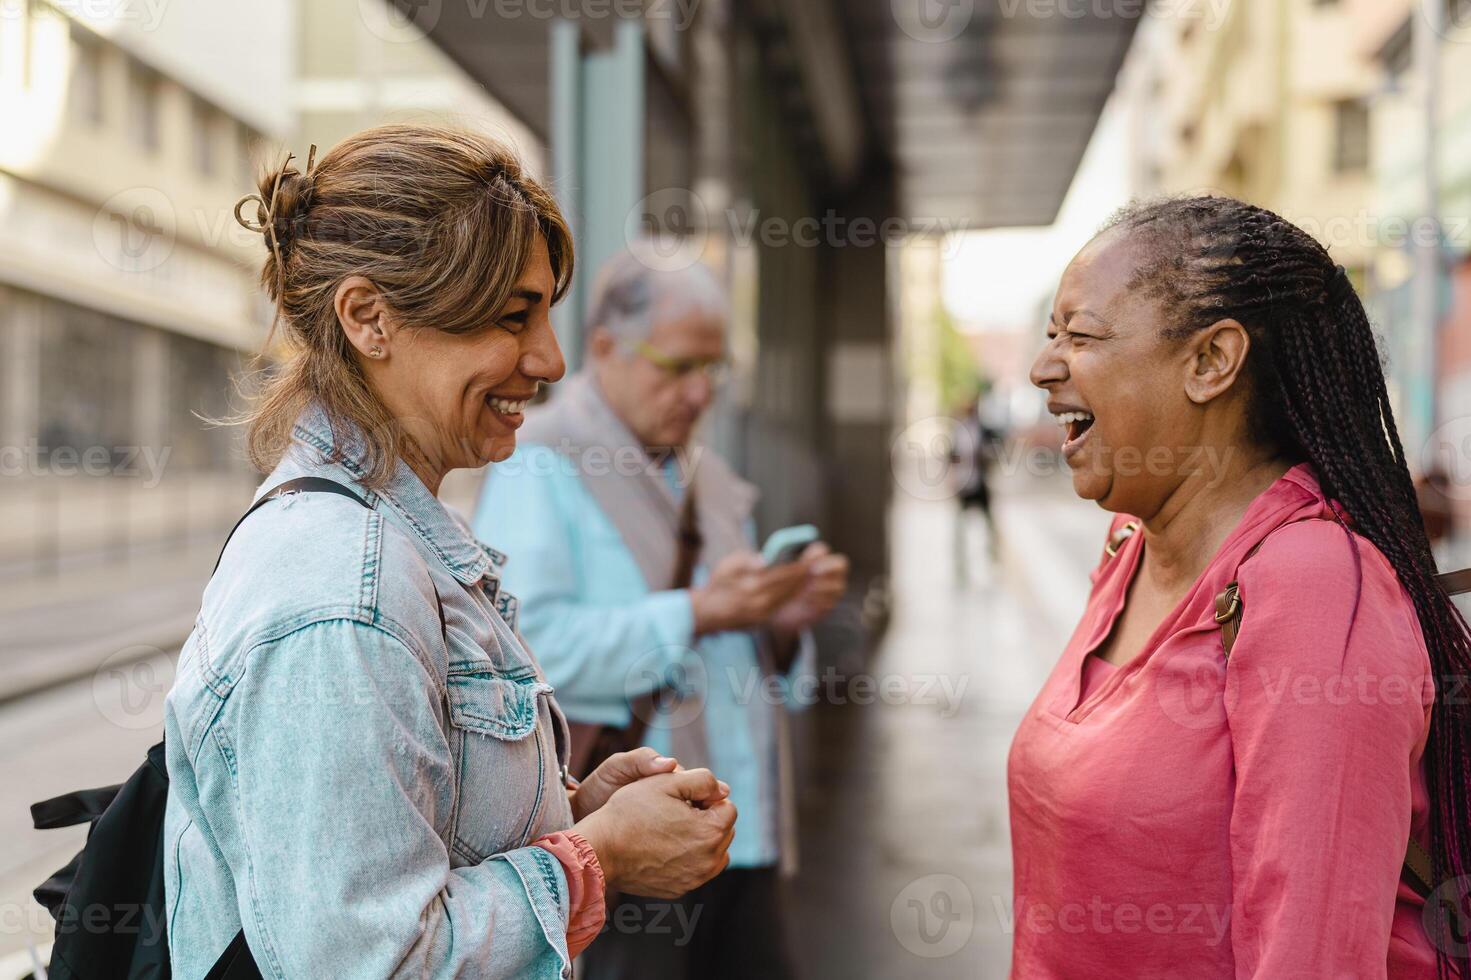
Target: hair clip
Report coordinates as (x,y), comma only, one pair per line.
(255,226)
(265,223)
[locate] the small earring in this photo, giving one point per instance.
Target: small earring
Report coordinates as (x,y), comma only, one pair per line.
(375,351)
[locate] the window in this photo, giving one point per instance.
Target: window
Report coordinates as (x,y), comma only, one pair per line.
(144,88)
(86,386)
(199,386)
(202,132)
(1350,136)
(85,92)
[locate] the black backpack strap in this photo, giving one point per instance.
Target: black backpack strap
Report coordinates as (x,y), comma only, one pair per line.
(235,963)
(70,809)
(307,484)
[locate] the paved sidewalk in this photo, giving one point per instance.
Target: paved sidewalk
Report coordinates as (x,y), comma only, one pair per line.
(906,861)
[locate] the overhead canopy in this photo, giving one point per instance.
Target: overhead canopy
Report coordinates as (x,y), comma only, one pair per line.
(982,108)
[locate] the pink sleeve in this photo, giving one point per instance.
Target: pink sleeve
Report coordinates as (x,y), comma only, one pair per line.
(1325,725)
(585,887)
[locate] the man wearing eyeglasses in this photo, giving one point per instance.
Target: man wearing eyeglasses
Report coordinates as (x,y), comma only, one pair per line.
(631,552)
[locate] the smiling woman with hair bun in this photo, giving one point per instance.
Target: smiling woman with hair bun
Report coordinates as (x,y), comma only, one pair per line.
(367,765)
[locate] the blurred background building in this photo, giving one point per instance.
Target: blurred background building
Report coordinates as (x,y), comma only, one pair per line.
(126,299)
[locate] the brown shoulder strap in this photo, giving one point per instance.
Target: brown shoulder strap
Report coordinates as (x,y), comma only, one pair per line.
(689,542)
(1455,583)
(1418,871)
(1117,538)
(1229,608)
(592,743)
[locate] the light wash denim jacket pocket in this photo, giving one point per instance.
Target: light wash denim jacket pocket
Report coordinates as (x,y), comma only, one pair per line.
(354,782)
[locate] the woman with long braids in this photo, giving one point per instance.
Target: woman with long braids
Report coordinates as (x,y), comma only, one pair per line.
(1241,758)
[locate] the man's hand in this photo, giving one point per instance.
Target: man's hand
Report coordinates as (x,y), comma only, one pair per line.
(743,592)
(617,771)
(825,580)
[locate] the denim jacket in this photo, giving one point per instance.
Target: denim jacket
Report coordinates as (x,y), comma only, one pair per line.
(353,780)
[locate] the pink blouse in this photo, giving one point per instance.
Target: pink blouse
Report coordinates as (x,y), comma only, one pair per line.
(1186,819)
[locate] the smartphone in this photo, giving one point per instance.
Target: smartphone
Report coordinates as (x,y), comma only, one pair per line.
(788,544)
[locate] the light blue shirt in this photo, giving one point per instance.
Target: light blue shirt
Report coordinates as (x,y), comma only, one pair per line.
(603,637)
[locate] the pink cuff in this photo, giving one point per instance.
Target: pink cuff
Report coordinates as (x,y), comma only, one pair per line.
(585,887)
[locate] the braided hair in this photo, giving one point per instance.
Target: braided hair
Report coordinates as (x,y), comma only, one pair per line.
(1318,396)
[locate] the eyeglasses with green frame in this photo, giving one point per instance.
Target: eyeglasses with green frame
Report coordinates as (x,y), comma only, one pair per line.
(716,370)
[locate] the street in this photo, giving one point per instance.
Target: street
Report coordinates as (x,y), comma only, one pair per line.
(905,850)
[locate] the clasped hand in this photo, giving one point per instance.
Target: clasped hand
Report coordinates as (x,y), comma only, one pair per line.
(658,830)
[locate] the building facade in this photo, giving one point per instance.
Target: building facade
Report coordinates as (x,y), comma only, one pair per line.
(1427,328)
(128,300)
(129,303)
(1265,100)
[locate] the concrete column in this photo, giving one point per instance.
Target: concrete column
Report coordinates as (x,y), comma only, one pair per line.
(612,144)
(858,384)
(597,146)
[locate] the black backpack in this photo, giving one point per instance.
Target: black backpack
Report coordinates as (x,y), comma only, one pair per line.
(108,902)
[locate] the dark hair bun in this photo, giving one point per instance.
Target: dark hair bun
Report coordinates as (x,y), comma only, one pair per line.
(287,194)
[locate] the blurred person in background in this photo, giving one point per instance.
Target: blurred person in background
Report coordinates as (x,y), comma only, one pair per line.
(629,546)
(1242,742)
(976,449)
(365,759)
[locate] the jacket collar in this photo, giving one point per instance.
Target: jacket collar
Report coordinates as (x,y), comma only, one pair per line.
(443,534)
